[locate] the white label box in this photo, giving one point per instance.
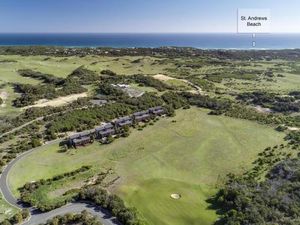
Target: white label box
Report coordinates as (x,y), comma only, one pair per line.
(255,21)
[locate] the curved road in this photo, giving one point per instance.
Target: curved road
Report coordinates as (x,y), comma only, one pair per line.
(38,217)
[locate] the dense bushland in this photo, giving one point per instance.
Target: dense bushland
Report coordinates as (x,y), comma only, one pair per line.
(149,81)
(276,200)
(273,101)
(46,78)
(99,196)
(53,87)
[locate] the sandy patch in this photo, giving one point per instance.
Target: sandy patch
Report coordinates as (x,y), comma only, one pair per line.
(57,101)
(162,77)
(3,96)
(293,128)
(176,196)
(260,109)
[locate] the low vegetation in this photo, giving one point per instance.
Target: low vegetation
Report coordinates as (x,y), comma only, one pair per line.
(99,196)
(54,87)
(31,194)
(151,82)
(272,201)
(83,218)
(83,76)
(18,218)
(275,102)
(45,78)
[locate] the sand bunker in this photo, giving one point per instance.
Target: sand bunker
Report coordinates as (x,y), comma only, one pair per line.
(176,196)
(162,77)
(3,96)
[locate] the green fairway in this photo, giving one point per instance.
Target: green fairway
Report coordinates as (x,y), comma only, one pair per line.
(61,66)
(152,197)
(189,154)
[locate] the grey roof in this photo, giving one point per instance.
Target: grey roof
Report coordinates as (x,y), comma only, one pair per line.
(142,116)
(75,136)
(81,134)
(141,113)
(82,139)
(100,96)
(156,108)
(123,119)
(124,123)
(109,131)
(104,127)
(98,102)
(86,133)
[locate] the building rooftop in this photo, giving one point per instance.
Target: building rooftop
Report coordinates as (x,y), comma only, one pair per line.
(124,123)
(82,139)
(156,108)
(141,113)
(98,102)
(104,127)
(82,134)
(109,131)
(122,119)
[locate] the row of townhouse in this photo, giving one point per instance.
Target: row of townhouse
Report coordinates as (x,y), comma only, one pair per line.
(112,128)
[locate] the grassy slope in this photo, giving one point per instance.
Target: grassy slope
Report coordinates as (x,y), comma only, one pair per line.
(6,211)
(190,157)
(63,66)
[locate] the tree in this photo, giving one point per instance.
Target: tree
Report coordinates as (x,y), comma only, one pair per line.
(108,72)
(17,218)
(275,200)
(35,142)
(6,222)
(25,213)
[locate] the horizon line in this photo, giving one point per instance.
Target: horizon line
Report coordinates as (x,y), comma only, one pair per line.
(147,33)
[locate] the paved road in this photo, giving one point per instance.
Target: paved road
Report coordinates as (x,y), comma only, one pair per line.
(38,217)
(103,215)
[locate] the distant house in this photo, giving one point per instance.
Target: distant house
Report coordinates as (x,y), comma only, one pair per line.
(141,116)
(98,102)
(157,111)
(105,131)
(121,85)
(81,139)
(100,97)
(130,91)
(124,121)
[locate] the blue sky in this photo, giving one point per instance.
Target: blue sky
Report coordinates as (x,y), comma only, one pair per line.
(105,16)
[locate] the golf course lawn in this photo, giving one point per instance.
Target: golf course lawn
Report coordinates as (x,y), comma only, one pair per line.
(6,210)
(189,154)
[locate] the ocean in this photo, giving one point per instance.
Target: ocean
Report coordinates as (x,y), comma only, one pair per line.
(202,41)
